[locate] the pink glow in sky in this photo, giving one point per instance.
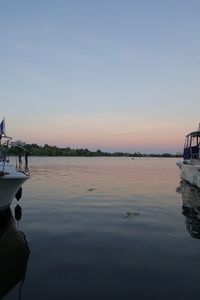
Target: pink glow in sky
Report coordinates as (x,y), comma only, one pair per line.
(90,74)
(109,133)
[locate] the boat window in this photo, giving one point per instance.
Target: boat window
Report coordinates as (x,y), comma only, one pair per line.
(187,142)
(198,140)
(194,141)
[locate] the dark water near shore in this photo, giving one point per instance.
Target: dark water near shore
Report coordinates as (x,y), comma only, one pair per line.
(109,228)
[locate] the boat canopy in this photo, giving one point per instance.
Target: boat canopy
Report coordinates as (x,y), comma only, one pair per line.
(192,144)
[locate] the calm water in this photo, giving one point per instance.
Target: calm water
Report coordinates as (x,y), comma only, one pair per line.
(109,228)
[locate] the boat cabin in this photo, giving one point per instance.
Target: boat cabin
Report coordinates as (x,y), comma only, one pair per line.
(192,146)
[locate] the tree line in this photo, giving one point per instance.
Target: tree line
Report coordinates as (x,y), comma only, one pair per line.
(48,150)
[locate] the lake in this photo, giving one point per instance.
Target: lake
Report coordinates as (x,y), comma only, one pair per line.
(109,228)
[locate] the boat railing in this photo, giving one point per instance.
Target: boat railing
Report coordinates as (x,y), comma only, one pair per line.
(191,155)
(195,154)
(3,152)
(20,153)
(22,160)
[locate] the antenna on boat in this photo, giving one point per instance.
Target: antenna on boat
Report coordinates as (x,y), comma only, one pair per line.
(3,127)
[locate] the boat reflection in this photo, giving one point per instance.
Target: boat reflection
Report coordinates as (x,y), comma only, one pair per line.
(14,252)
(191,208)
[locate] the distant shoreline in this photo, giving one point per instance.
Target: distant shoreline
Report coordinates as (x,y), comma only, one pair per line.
(47,150)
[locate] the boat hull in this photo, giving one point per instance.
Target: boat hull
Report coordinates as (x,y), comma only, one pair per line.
(191,174)
(8,190)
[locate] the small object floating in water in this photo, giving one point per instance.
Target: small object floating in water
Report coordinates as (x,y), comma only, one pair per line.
(130,214)
(91,189)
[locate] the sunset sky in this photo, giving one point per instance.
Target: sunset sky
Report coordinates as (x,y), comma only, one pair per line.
(119,75)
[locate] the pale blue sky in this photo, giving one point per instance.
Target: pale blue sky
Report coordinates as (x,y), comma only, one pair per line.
(100,73)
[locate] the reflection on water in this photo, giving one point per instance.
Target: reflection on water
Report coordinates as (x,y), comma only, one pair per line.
(107,228)
(14,252)
(191,208)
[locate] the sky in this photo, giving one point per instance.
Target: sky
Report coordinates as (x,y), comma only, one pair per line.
(115,75)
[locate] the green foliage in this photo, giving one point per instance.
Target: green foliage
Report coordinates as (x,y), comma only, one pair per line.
(48,150)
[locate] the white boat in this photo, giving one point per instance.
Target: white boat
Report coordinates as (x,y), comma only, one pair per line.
(190,166)
(11,177)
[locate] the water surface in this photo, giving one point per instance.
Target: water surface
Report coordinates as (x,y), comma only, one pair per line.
(109,228)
